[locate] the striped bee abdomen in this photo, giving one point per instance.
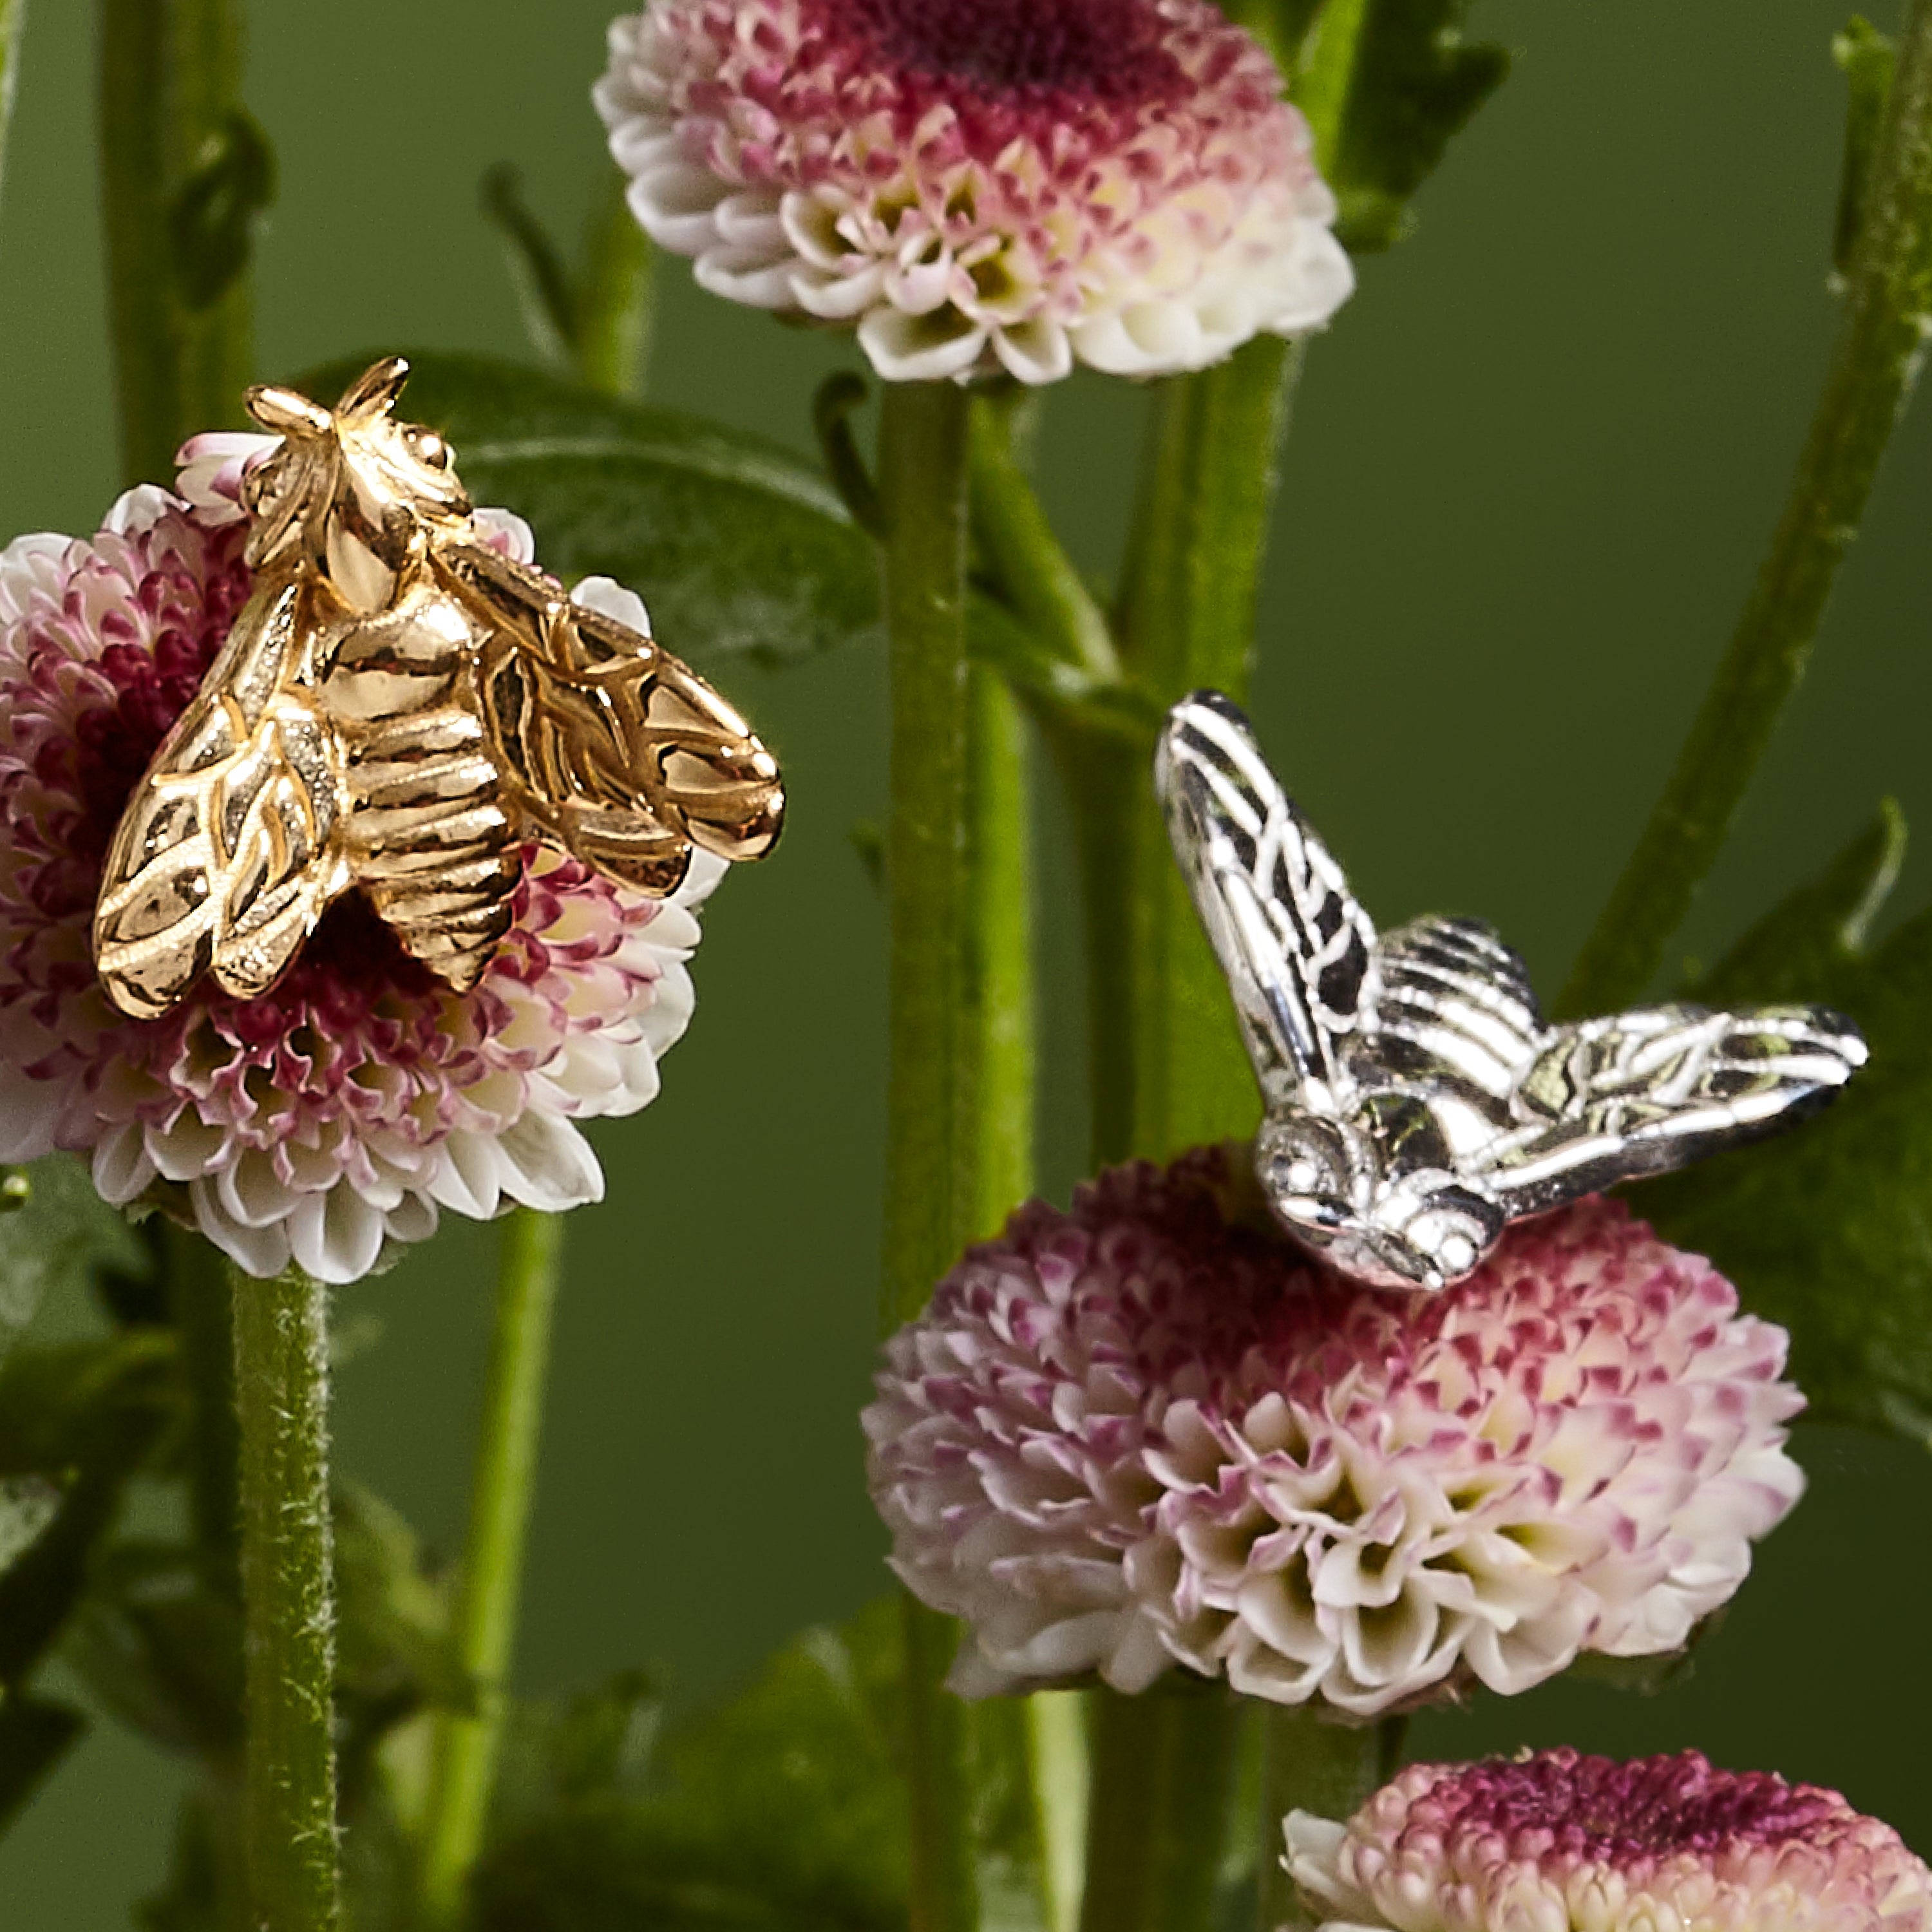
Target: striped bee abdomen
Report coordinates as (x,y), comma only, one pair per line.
(429,840)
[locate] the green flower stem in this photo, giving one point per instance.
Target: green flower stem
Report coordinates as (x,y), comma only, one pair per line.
(1326,75)
(1307,1765)
(1164,1785)
(1057,1736)
(615,310)
(1001,882)
(1187,620)
(281,1394)
(937,1189)
(464,1760)
(1874,369)
(945,1881)
(933,1192)
(169,81)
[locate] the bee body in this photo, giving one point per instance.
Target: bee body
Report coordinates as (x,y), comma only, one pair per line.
(427,833)
(400,709)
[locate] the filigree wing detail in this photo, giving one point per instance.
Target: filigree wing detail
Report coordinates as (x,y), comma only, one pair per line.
(230,850)
(1610,1099)
(1298,951)
(618,752)
(1453,1005)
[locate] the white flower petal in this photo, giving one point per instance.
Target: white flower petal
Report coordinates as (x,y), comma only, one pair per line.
(609,598)
(548,1164)
(753,276)
(1034,351)
(676,205)
(920,349)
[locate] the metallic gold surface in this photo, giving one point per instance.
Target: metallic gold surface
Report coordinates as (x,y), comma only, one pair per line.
(398,709)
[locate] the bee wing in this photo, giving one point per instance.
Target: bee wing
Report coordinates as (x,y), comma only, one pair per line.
(624,755)
(228,853)
(1297,950)
(1640,1093)
(1454,1010)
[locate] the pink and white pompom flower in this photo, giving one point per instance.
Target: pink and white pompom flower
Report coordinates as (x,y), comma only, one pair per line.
(1556,1842)
(980,185)
(339,1115)
(1150,1430)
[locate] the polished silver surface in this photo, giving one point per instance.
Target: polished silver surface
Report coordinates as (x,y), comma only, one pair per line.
(1417,1101)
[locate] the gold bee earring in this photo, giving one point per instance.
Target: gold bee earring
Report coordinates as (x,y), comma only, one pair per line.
(398,708)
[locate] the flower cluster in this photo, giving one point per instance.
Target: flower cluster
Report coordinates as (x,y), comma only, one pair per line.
(1558,1840)
(341,1111)
(980,184)
(1145,1430)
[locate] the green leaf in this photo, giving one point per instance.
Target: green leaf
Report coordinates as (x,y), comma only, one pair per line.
(394,1653)
(87,1417)
(34,1736)
(212,221)
(1868,58)
(1398,93)
(1818,933)
(809,1749)
(785,1809)
(28,1506)
(1828,1230)
(60,1236)
(581,1747)
(736,545)
(162,1651)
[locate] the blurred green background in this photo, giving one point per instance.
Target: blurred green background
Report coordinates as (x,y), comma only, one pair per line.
(1532,469)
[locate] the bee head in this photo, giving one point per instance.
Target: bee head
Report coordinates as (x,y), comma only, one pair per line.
(352,490)
(1326,1184)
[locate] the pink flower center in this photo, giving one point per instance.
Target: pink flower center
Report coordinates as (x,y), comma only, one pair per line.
(1622,1813)
(1110,50)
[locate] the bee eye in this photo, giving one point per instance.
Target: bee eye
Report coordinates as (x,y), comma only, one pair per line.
(426,446)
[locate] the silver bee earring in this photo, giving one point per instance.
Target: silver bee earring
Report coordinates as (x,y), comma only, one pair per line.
(1417,1101)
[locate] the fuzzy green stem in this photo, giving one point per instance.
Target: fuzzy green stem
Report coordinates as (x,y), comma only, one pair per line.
(281,1396)
(169,79)
(1164,1781)
(489,1588)
(1874,369)
(935,1191)
(614,306)
(1307,1765)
